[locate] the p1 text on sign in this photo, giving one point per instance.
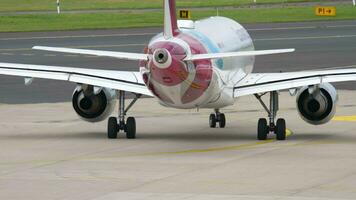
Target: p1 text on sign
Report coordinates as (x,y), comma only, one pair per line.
(325,11)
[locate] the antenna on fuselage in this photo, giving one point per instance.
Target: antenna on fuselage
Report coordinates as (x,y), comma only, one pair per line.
(170,19)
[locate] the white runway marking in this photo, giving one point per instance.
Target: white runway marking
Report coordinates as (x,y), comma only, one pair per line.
(306,38)
(15,49)
(300,27)
(341,26)
(50,55)
(107,46)
(76,36)
(70,55)
(153,33)
(27,54)
(282,28)
(83,46)
(7,54)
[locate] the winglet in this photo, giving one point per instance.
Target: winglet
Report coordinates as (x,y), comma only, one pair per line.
(170,19)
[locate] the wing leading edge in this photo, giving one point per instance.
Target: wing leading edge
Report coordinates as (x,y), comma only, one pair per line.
(119,80)
(113,54)
(265,82)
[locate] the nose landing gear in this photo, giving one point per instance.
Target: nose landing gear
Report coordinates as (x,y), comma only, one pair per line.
(115,125)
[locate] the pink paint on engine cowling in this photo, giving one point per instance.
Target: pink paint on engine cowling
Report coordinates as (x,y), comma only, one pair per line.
(203,69)
(152,88)
(177,72)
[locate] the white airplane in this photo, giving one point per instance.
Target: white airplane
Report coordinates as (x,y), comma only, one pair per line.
(202,64)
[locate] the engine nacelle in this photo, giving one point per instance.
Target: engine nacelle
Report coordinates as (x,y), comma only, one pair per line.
(317,104)
(93,105)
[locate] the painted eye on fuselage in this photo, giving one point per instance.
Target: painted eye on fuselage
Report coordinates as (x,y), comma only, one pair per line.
(161,56)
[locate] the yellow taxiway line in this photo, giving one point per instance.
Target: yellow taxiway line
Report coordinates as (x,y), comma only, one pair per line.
(226,148)
(345,118)
(181,152)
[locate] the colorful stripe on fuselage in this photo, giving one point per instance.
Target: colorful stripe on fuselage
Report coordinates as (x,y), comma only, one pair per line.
(211,47)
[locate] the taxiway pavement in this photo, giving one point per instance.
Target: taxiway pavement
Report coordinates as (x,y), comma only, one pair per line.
(48,153)
(318,45)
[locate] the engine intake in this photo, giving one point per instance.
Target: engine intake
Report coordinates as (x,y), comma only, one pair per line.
(317,106)
(93,106)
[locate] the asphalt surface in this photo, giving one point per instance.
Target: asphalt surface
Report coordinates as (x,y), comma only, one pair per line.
(55,155)
(318,45)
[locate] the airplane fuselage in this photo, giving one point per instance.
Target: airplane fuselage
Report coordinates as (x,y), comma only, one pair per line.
(202,83)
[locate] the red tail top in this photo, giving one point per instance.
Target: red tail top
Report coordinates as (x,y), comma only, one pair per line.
(170,19)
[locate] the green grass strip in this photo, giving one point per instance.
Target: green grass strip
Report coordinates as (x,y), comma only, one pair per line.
(37,5)
(51,22)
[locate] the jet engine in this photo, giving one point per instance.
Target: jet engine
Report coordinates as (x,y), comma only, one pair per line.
(317,104)
(93,104)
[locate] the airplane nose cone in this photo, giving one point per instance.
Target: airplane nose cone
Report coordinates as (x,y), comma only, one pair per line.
(162,58)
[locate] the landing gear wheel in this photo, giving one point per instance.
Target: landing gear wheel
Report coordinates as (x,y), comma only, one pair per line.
(262,129)
(112,128)
(222,120)
(212,121)
(130,128)
(281,129)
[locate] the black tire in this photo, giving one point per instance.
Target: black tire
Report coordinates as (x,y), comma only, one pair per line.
(131,128)
(281,129)
(212,121)
(112,128)
(262,129)
(222,120)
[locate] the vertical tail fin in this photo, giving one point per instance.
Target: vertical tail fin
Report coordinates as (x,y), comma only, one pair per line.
(170,19)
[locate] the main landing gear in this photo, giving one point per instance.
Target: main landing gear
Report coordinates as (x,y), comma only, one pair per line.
(217,117)
(117,124)
(278,128)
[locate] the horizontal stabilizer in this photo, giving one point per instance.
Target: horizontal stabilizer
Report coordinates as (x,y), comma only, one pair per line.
(237,54)
(119,55)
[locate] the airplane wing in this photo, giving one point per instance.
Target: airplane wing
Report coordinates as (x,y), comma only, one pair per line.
(265,82)
(119,80)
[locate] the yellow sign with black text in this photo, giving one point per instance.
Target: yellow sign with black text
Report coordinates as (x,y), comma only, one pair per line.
(184,14)
(325,11)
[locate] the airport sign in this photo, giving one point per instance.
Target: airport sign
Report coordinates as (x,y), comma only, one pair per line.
(325,11)
(184,14)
